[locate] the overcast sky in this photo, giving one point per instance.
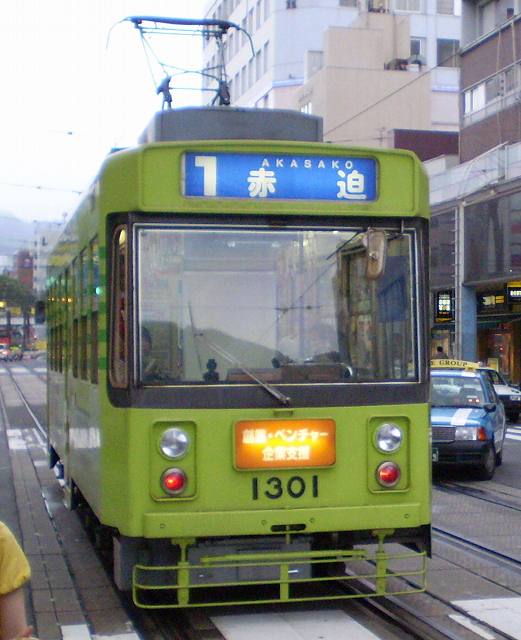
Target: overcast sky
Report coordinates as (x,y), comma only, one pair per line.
(68,98)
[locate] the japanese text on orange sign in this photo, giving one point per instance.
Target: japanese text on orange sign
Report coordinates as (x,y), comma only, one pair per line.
(284,443)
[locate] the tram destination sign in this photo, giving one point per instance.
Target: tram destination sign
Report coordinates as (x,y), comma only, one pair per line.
(285,177)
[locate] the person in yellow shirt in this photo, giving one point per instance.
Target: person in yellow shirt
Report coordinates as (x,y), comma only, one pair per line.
(14,572)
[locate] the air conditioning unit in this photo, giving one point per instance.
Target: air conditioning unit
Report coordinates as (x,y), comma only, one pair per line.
(396,64)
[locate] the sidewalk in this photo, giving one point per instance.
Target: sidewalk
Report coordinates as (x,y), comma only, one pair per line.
(70,596)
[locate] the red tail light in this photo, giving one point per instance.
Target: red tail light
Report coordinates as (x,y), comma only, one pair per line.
(482,434)
(173,481)
(388,474)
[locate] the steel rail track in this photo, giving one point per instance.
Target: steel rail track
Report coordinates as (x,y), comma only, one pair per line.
(486,495)
(417,626)
(478,549)
(163,627)
(197,625)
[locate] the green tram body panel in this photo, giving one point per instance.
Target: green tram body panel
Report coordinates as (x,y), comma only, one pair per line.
(111,453)
(220,501)
(150,178)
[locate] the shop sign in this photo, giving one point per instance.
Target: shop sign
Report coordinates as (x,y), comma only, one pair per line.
(491,302)
(444,307)
(514,291)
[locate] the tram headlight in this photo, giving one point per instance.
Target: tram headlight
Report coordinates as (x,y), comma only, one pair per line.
(389,437)
(174,443)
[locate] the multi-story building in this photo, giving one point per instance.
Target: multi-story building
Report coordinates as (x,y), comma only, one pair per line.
(369,67)
(373,83)
(476,224)
(23,268)
(266,70)
(46,233)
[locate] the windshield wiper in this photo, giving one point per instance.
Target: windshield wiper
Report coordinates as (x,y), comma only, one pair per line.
(283,399)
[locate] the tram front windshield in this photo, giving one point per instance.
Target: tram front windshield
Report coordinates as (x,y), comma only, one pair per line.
(293,306)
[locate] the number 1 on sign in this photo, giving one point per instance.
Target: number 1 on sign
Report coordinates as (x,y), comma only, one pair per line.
(209,166)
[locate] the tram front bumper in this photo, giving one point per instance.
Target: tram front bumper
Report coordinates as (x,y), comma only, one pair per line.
(225,523)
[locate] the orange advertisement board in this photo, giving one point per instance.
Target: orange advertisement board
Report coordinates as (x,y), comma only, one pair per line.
(281,444)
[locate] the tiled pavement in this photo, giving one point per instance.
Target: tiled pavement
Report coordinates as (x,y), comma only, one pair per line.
(70,597)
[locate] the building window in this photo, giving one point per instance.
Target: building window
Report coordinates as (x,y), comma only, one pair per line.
(494,94)
(509,79)
(307,107)
(474,99)
(486,17)
(447,55)
(251,79)
(347,3)
(418,48)
(258,65)
(291,4)
(265,51)
(492,88)
(258,20)
(407,5)
(244,80)
(445,7)
(236,86)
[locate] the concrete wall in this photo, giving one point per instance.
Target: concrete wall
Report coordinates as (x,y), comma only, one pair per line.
(358,98)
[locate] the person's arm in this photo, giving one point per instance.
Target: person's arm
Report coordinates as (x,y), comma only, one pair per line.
(13,622)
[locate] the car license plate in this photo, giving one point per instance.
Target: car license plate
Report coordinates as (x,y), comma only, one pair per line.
(435,455)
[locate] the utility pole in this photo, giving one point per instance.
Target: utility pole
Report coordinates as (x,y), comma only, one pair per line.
(465,297)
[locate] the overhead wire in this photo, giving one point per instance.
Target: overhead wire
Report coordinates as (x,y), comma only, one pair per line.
(39,187)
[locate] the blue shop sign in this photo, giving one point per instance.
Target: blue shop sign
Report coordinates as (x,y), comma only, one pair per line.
(281,177)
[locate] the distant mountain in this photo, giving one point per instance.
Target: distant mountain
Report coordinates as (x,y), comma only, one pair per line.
(15,234)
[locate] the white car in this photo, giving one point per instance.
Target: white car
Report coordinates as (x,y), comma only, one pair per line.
(510,396)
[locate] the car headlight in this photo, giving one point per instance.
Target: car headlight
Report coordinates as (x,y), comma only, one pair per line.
(174,443)
(466,433)
(388,437)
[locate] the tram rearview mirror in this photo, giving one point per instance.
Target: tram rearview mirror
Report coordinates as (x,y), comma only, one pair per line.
(375,243)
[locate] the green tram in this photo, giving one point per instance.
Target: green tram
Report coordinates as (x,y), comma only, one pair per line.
(238,382)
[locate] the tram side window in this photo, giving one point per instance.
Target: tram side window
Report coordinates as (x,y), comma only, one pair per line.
(67,321)
(75,347)
(52,333)
(59,328)
(94,348)
(118,372)
(83,347)
(94,287)
(75,312)
(84,303)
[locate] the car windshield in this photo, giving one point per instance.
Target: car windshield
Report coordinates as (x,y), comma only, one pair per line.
(236,305)
(456,391)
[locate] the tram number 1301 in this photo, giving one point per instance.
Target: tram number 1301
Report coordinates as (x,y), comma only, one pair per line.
(275,488)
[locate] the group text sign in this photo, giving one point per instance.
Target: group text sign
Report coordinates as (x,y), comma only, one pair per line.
(291,177)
